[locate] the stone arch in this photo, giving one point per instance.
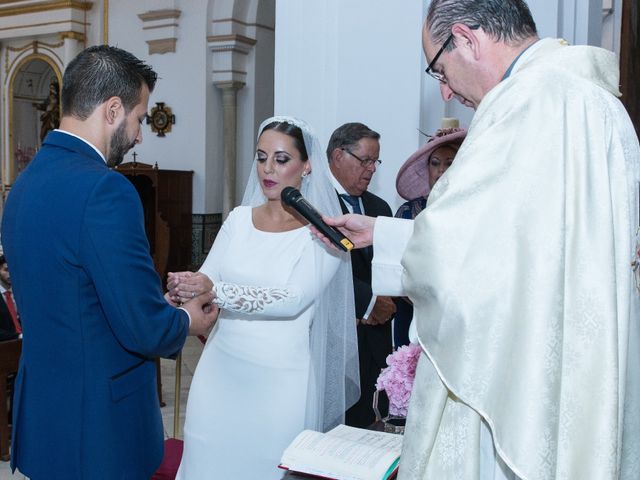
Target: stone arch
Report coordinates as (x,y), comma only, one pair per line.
(15,69)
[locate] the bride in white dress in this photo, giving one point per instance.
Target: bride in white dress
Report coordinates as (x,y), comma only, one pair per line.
(282,356)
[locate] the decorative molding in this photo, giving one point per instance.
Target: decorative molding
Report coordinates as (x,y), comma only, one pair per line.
(36,44)
(229,85)
(231,43)
(245,24)
(34,47)
(45,7)
(232,37)
(242,72)
(43,24)
(154,15)
(23,48)
(229,60)
(151,27)
(79,36)
(160,35)
(163,45)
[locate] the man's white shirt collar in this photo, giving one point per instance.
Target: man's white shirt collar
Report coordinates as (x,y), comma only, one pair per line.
(85,141)
(336,184)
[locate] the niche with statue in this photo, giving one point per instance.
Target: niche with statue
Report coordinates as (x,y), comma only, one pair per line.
(34,110)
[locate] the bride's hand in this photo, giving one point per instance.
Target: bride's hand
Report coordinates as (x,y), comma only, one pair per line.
(183,286)
(173,280)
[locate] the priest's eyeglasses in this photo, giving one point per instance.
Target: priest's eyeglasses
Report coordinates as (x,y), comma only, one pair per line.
(365,162)
(439,75)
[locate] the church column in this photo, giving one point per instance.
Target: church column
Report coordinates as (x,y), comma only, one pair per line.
(73,44)
(229,112)
(229,61)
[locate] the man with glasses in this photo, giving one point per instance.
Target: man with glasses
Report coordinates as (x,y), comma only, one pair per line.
(353,154)
(521,268)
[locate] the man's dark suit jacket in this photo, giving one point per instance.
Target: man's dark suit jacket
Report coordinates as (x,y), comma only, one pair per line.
(93,316)
(374,341)
(7,328)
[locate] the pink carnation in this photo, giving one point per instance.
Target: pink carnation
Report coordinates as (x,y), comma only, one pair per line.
(397,378)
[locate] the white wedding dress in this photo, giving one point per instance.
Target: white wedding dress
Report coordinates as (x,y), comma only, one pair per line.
(248,396)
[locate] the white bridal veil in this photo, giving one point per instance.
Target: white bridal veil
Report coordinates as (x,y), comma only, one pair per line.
(334,376)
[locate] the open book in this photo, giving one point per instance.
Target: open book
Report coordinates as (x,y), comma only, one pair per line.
(344,453)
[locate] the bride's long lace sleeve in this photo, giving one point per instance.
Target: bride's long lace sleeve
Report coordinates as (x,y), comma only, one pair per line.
(252,299)
(271,301)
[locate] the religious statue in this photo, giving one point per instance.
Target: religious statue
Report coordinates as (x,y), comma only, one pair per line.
(50,107)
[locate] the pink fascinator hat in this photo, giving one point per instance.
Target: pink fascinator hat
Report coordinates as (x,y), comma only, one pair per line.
(413,178)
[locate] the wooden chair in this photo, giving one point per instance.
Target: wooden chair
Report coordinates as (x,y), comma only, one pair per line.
(9,359)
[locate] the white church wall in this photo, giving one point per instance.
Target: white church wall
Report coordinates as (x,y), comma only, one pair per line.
(342,61)
(182,85)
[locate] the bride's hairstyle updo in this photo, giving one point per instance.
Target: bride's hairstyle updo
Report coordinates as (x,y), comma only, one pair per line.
(292,131)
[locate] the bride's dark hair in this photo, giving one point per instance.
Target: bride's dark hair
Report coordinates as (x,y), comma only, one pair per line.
(292,131)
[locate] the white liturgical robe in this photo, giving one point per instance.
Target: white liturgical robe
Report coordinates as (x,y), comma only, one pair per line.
(520,271)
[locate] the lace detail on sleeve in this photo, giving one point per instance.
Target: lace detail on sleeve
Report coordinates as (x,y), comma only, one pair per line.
(249,299)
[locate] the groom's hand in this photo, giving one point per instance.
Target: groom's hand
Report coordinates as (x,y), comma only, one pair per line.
(202,312)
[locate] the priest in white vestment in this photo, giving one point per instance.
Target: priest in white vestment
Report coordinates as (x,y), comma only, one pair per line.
(521,268)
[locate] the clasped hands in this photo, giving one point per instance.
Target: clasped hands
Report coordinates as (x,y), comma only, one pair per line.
(193,292)
(185,286)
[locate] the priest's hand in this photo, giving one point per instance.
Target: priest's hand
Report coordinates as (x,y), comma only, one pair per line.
(358,228)
(383,310)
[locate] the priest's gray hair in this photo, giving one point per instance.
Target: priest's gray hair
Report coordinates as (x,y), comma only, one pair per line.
(509,21)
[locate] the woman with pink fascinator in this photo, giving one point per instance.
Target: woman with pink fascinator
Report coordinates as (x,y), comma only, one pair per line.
(416,178)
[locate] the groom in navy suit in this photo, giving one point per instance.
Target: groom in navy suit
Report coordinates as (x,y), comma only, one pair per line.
(91,305)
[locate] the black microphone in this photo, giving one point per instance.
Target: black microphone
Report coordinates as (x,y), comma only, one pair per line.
(292,197)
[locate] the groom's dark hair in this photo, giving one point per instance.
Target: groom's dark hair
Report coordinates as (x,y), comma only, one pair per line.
(99,73)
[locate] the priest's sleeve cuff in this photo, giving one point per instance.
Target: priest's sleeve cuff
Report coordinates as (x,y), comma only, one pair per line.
(390,238)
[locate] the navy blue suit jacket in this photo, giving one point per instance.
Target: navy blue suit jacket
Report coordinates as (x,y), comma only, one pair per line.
(93,316)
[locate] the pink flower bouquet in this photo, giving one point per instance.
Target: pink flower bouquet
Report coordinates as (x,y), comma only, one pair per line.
(397,379)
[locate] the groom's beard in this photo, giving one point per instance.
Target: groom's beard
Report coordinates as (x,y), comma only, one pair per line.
(119,145)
